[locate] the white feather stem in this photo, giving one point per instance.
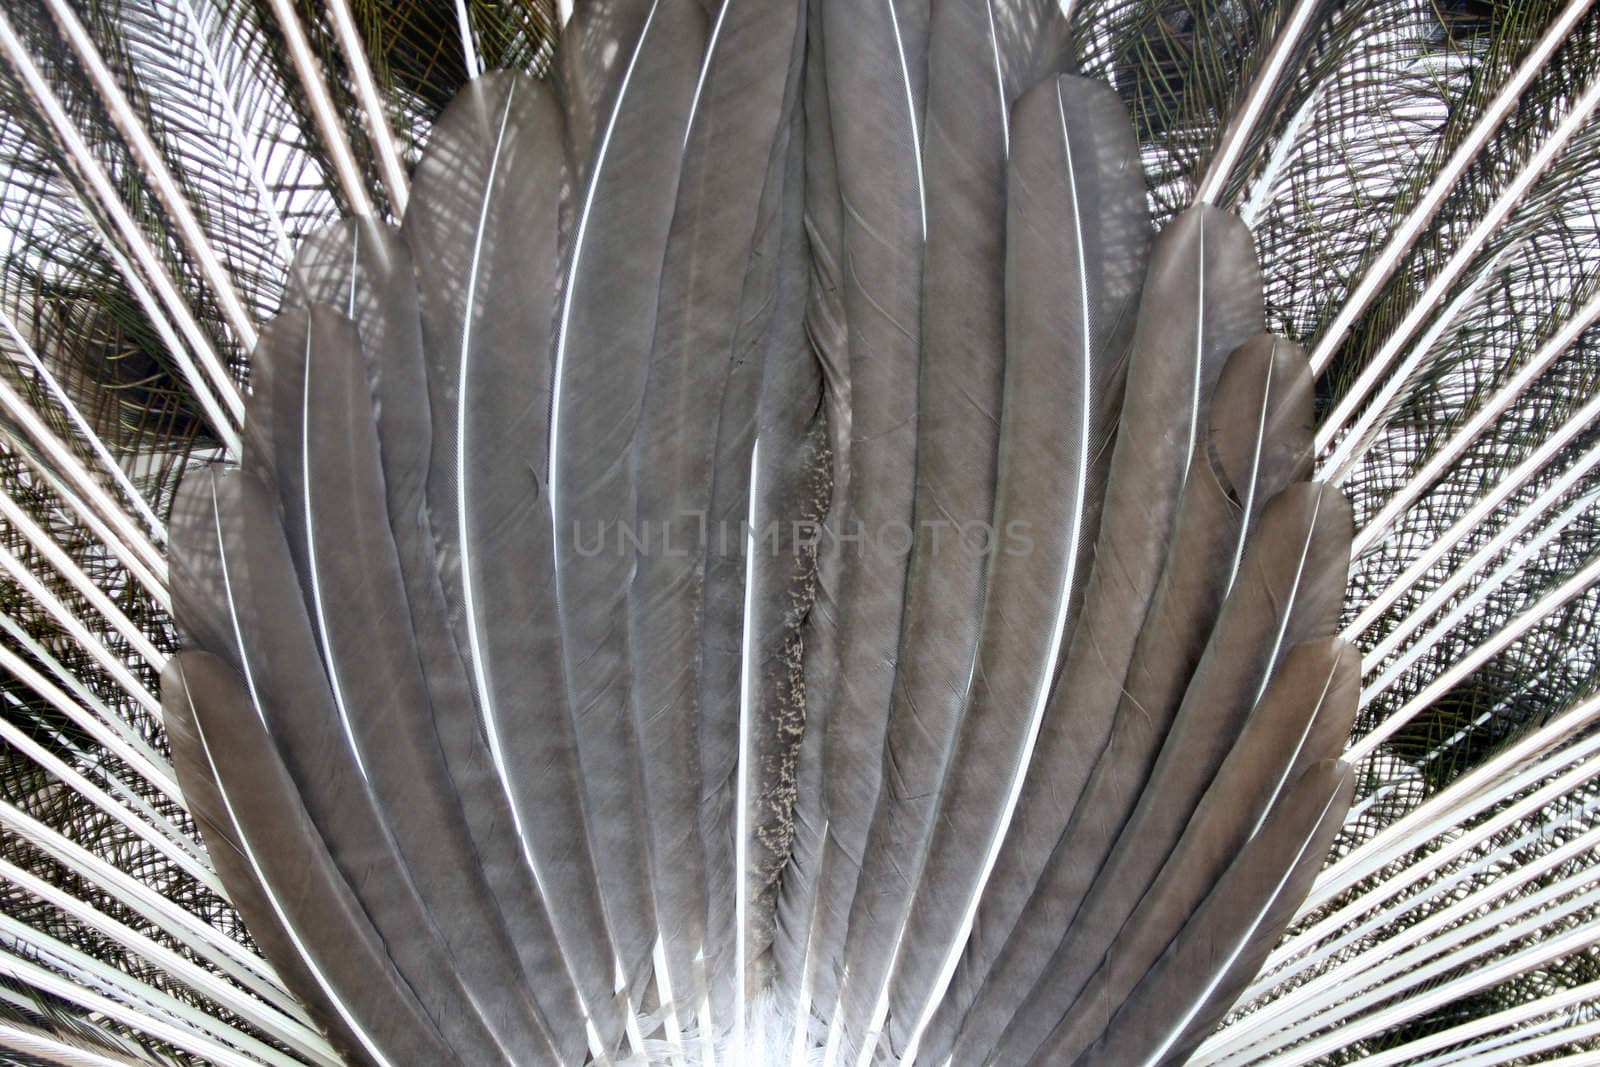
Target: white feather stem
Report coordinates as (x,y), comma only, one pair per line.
(469,579)
(1405,234)
(1311,947)
(134,1003)
(156,173)
(1444,878)
(1357,984)
(1442,927)
(1546,605)
(1392,671)
(137,758)
(1335,466)
(911,116)
(705,70)
(137,245)
(223,423)
(1471,520)
(293,1033)
(307,956)
(469,47)
(99,798)
(1250,110)
(64,564)
(246,144)
(1536,754)
(48,1049)
(1221,969)
(999,79)
(108,661)
(1484,1025)
(1540,951)
(1525,1045)
(1440,458)
(390,168)
(1288,142)
(1058,626)
(112,467)
(329,126)
(1378,373)
(250,970)
(564,11)
(741,844)
(154,584)
(121,739)
(128,533)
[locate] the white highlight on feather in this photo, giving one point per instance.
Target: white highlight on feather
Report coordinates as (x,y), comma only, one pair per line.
(999,78)
(1245,118)
(214,377)
(578,243)
(154,168)
(112,467)
(391,169)
(1057,628)
(669,1006)
(329,126)
(741,847)
(330,664)
(1199,349)
(300,947)
(911,114)
(469,47)
(1406,234)
(230,112)
(480,670)
(1220,971)
(1287,610)
(1255,469)
(705,70)
(1294,757)
(707,1024)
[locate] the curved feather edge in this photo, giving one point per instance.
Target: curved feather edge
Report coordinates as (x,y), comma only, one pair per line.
(1289,591)
(279,872)
(1258,441)
(1240,921)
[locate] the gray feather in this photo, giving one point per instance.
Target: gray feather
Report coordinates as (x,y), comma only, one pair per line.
(1224,943)
(1076,245)
(277,863)
(1258,441)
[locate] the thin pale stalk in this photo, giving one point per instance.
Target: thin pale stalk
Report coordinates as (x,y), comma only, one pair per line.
(205,941)
(58,558)
(1406,233)
(137,757)
(133,239)
(1498,494)
(293,1033)
(1460,576)
(42,1046)
(128,533)
(391,169)
(1388,380)
(156,173)
(1441,929)
(108,661)
(202,1035)
(112,467)
(1440,458)
(154,582)
(1547,605)
(329,126)
(1249,111)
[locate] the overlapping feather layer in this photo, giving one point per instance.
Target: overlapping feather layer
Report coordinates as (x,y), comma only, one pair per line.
(770,559)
